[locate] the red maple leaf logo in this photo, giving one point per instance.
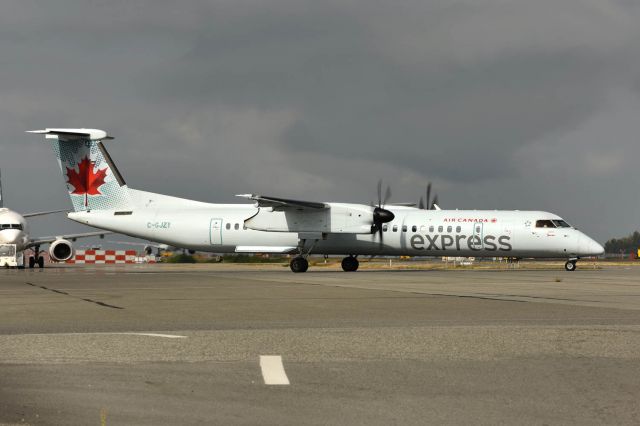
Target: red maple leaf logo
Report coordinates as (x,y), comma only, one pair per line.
(86,181)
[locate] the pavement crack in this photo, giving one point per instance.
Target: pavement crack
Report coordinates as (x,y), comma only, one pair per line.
(64,293)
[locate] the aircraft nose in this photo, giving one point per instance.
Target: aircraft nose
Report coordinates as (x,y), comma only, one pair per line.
(10,236)
(590,247)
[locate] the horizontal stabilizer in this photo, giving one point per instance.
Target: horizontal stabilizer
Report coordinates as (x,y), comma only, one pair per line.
(91,134)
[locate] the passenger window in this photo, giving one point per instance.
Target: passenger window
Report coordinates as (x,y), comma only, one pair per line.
(431,229)
(458,229)
(545,224)
(478,229)
(384,228)
(236,226)
(440,228)
(449,229)
(414,228)
(228,226)
(404,228)
(395,228)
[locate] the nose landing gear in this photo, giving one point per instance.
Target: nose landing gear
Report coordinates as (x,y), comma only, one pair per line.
(571,265)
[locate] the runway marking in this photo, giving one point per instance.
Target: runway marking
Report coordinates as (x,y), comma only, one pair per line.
(115,333)
(168,336)
(272,370)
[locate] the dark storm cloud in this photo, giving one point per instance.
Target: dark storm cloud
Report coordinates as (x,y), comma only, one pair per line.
(489,98)
(444,116)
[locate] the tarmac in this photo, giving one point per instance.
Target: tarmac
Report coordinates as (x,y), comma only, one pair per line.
(245,345)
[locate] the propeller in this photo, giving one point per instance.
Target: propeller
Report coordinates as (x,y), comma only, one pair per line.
(380,214)
(429,205)
(435,201)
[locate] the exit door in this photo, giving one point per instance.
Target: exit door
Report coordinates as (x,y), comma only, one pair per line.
(215,231)
(477,239)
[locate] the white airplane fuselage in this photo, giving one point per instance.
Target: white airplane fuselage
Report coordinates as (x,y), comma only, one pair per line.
(102,199)
(221,228)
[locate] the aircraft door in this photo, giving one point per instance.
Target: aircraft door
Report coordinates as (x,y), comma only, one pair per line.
(215,232)
(477,237)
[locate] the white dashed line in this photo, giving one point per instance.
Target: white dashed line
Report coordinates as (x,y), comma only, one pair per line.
(126,333)
(168,336)
(272,370)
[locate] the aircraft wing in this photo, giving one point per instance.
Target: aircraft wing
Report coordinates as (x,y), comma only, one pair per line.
(264,201)
(45,213)
(72,237)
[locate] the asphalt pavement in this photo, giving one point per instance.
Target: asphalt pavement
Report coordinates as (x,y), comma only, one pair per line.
(220,344)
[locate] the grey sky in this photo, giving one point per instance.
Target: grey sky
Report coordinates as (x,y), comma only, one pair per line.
(502,104)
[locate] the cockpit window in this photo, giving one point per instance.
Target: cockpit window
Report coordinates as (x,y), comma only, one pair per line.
(11,226)
(561,224)
(545,224)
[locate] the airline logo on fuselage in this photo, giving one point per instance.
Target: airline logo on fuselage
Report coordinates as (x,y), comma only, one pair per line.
(460,242)
(470,220)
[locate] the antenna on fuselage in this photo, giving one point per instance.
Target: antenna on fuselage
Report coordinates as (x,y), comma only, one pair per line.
(1,202)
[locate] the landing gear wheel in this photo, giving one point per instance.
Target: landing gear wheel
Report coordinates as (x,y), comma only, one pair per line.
(350,264)
(32,262)
(299,264)
(570,265)
(40,262)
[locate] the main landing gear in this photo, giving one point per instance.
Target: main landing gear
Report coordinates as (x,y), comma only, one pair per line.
(299,264)
(36,259)
(571,265)
(350,264)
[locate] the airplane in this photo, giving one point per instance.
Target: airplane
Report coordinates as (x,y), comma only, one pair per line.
(14,232)
(102,199)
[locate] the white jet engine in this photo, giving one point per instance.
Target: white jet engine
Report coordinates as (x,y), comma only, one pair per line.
(61,250)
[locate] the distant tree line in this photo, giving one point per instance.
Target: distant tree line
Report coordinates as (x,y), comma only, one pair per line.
(628,244)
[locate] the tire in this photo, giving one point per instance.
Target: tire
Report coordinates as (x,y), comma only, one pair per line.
(570,266)
(350,264)
(299,264)
(32,262)
(40,262)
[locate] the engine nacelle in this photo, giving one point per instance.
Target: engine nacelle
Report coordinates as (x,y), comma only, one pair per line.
(61,250)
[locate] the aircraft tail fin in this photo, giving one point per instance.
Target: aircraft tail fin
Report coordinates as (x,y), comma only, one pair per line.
(93,181)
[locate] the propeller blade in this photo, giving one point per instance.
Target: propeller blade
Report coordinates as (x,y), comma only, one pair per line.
(380,193)
(435,201)
(387,195)
(421,204)
(428,196)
